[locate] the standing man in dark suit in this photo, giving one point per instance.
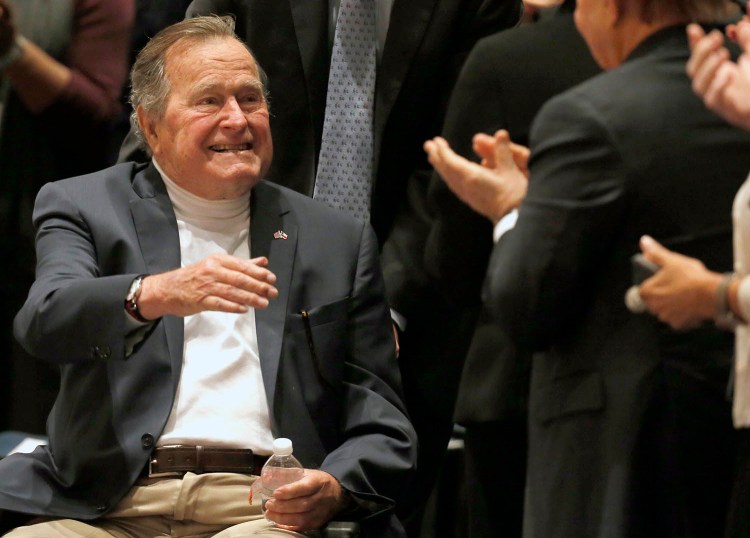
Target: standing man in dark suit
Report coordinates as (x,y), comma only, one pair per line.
(504,82)
(422,45)
(197,312)
(629,429)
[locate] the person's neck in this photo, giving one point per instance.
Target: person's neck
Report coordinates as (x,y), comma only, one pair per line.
(632,32)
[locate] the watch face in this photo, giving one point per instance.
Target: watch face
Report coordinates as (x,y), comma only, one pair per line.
(131,291)
(134,287)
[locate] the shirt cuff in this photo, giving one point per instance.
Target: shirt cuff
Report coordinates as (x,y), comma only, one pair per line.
(135,332)
(743,298)
(399,320)
(507,223)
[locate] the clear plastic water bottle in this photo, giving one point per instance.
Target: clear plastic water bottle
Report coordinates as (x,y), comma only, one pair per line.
(282,468)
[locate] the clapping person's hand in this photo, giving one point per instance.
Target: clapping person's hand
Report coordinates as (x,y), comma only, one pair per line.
(493,188)
(723,84)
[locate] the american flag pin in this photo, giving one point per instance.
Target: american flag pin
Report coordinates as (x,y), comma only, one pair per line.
(280,234)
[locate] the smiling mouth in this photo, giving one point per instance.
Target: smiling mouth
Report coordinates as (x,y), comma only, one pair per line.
(230,148)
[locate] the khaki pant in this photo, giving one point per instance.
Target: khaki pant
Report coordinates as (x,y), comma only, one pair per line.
(195,506)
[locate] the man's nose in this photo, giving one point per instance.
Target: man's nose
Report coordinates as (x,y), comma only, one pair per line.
(232,115)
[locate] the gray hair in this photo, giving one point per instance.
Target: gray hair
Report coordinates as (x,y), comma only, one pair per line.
(149,84)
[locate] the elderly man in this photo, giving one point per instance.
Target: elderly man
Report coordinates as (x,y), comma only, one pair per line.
(189,303)
(629,426)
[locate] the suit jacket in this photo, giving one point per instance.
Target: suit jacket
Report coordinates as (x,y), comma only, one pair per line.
(341,406)
(630,152)
(510,75)
(427,42)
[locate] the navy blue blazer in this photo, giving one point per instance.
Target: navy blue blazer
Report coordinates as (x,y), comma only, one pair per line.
(341,405)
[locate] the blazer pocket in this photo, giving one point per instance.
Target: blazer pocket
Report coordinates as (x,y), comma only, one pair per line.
(323,329)
(577,393)
(318,315)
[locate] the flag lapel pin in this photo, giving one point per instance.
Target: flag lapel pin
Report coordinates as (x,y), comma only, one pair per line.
(280,234)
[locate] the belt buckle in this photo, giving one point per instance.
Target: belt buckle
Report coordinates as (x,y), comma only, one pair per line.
(166,474)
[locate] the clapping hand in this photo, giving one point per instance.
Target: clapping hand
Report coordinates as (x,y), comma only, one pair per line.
(723,84)
(493,188)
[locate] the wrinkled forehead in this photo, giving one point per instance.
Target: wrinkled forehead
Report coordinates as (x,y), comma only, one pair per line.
(192,58)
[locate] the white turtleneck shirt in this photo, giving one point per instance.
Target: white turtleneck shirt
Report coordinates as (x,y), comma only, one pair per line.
(220,400)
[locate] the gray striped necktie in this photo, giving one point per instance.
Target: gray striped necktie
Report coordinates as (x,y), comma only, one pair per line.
(344,176)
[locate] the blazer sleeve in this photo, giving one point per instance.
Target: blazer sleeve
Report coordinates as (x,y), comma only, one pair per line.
(377,455)
(542,274)
(61,320)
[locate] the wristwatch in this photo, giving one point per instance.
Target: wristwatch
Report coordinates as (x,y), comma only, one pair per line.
(131,299)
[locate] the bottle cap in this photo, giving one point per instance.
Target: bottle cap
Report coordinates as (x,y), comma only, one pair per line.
(282,447)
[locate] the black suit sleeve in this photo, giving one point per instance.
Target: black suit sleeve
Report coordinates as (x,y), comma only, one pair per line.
(541,274)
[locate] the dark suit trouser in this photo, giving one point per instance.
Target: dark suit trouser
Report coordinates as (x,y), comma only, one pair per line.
(430,369)
(738,521)
(495,474)
(686,477)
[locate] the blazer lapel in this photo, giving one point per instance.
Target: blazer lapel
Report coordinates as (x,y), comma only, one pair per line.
(273,233)
(156,227)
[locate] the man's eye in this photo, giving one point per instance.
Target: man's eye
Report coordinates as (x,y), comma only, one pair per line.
(251,98)
(208,101)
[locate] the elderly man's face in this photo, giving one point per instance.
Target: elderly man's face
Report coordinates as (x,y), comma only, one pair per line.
(214,138)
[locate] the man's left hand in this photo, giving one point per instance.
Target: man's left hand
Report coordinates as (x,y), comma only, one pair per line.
(308,503)
(682,293)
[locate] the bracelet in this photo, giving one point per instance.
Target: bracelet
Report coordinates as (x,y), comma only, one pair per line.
(13,53)
(725,318)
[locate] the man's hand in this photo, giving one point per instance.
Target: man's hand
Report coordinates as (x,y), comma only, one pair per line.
(308,503)
(220,282)
(492,150)
(683,292)
(495,187)
(723,85)
(7,28)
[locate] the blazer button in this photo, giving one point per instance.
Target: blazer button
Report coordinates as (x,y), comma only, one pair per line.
(147,440)
(101,508)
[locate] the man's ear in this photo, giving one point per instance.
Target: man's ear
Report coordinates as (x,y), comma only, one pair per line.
(148,128)
(615,11)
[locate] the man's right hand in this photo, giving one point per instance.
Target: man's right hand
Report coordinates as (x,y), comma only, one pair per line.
(495,187)
(220,282)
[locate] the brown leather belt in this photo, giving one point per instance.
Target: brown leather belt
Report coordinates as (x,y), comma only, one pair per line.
(176,460)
